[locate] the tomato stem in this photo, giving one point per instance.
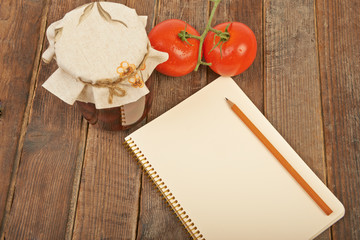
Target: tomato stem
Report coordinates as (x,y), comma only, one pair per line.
(204,63)
(194,36)
(215,30)
(203,35)
(183,35)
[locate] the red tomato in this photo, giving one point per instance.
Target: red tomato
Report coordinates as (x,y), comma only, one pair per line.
(182,56)
(238,52)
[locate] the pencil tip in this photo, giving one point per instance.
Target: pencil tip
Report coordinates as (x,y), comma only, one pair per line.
(229,102)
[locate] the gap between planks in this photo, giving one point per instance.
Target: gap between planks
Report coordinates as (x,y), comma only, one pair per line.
(325,170)
(263,56)
(77,179)
(320,92)
(139,206)
(154,21)
(27,117)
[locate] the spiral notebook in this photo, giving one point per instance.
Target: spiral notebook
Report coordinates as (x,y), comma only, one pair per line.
(220,180)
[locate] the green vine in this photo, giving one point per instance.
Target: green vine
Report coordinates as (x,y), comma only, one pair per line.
(224,36)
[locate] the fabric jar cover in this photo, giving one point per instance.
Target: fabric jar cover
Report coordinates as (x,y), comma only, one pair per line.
(103,53)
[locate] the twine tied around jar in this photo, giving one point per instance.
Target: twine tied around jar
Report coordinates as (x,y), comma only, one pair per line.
(112,85)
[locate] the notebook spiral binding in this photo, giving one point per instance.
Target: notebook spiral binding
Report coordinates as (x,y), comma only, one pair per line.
(163,189)
(122,112)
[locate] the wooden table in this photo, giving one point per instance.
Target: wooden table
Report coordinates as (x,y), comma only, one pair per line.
(61,178)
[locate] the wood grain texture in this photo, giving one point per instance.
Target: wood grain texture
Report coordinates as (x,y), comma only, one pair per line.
(304,78)
(292,86)
(156,220)
(45,176)
(251,14)
(20,23)
(169,91)
(109,192)
(339,52)
(43,190)
(108,204)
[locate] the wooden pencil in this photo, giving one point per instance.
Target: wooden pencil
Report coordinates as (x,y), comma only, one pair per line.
(319,201)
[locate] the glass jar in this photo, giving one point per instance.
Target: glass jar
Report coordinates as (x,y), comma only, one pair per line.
(118,118)
(105,61)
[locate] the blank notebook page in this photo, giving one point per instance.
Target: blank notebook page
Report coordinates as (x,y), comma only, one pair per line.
(226,180)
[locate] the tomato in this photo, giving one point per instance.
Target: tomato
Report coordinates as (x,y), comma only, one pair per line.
(182,55)
(237,53)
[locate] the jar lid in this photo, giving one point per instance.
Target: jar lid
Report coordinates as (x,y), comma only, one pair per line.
(103,53)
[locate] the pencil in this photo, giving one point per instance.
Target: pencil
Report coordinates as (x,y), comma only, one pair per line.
(327,210)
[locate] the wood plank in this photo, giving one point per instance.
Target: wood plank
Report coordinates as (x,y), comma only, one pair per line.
(250,13)
(20,23)
(109,191)
(292,87)
(169,91)
(156,220)
(108,205)
(51,155)
(339,53)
